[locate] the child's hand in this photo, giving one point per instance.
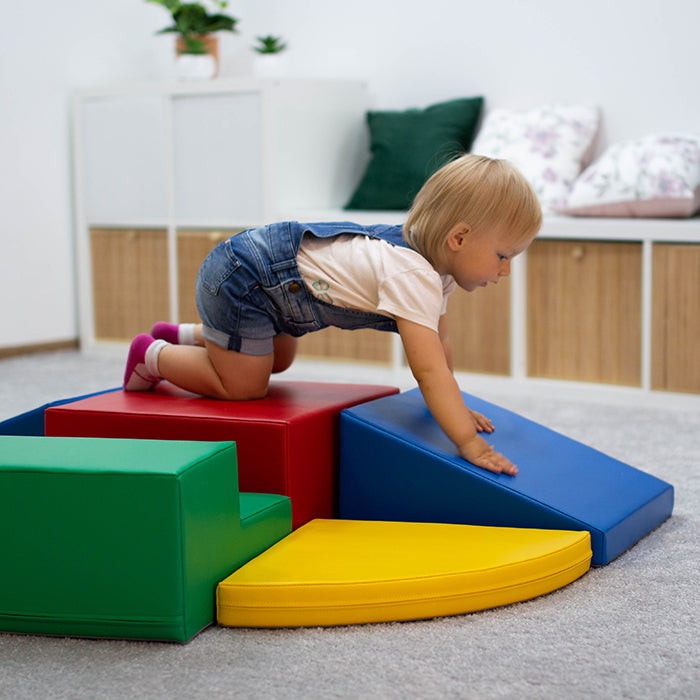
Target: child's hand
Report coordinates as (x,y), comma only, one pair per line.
(482,423)
(479,452)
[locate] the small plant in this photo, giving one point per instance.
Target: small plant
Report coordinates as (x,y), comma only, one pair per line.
(270,45)
(192,21)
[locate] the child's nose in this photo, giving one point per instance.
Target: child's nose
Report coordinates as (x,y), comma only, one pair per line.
(505,268)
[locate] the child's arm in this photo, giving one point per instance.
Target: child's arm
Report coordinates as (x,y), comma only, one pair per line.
(482,422)
(445,341)
(426,357)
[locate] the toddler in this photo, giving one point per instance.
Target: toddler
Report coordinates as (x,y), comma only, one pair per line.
(260,289)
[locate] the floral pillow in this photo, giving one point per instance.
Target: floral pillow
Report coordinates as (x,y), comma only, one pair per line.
(654,176)
(550,145)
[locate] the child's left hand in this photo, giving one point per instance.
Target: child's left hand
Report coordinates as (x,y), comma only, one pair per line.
(479,452)
(482,423)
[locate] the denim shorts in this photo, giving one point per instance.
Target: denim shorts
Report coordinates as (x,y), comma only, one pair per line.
(249,290)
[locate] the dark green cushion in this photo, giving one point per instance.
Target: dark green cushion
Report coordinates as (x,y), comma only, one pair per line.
(409,146)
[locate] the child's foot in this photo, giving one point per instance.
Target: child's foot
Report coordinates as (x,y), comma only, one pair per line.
(166,331)
(137,377)
(177,334)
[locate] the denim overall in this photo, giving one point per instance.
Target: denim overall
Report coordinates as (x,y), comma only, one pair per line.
(249,288)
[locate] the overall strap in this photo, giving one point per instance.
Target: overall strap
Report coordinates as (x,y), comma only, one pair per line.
(391,234)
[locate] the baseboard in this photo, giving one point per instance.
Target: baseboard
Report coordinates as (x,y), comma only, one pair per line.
(34,348)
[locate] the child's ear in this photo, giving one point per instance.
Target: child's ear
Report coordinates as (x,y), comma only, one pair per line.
(458,235)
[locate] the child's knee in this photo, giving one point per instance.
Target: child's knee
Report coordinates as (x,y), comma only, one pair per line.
(241,377)
(284,353)
(245,388)
(239,394)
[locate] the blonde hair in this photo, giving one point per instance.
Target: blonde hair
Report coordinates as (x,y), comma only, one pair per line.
(475,190)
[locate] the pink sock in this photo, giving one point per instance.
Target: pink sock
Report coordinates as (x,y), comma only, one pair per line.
(177,334)
(165,331)
(139,374)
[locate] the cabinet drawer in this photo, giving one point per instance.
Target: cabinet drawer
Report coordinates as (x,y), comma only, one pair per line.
(130,281)
(343,345)
(675,353)
(584,313)
(479,329)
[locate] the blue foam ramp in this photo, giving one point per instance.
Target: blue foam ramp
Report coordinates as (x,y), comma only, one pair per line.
(31,423)
(396,464)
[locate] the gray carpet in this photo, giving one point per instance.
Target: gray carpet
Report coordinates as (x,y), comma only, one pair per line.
(630,629)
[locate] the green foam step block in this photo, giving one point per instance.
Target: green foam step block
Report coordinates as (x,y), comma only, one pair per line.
(123,538)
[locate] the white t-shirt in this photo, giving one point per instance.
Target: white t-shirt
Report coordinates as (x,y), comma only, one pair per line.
(359,272)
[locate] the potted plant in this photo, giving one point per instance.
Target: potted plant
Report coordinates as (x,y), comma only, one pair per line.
(270,44)
(269,61)
(196,46)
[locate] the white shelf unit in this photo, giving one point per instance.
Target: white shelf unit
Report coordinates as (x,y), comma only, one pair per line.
(234,154)
(223,154)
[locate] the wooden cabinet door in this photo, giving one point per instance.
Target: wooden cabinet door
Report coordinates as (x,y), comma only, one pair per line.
(344,345)
(675,345)
(479,329)
(130,281)
(584,311)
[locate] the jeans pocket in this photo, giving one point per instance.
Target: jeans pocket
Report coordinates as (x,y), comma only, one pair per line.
(217,267)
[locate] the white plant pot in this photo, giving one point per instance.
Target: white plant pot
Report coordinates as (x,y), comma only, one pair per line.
(189,66)
(269,65)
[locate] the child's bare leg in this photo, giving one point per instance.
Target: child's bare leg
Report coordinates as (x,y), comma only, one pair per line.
(215,372)
(285,350)
(201,367)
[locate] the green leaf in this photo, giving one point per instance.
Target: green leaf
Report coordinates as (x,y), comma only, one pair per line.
(270,44)
(170,5)
(193,18)
(221,23)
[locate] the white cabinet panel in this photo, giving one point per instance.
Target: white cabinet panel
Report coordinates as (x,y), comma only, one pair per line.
(124,149)
(218,157)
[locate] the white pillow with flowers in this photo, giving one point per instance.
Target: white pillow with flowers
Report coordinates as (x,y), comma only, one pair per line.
(550,145)
(654,176)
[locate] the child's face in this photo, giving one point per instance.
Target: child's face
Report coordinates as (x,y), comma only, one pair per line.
(476,258)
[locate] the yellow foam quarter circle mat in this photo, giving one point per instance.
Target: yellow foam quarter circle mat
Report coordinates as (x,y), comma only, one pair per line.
(338,572)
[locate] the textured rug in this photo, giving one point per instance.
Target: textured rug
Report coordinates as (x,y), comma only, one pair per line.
(626,630)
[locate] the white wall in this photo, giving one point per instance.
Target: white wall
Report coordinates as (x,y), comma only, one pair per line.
(48,49)
(637,60)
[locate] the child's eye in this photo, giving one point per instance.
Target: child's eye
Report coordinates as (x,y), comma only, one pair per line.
(502,257)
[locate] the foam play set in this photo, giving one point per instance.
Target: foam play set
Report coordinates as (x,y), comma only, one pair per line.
(33,422)
(123,538)
(339,572)
(397,464)
(287,442)
(153,515)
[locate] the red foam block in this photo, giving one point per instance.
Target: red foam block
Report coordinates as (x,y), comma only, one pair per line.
(287,443)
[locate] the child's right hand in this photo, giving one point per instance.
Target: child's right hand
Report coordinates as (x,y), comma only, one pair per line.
(479,452)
